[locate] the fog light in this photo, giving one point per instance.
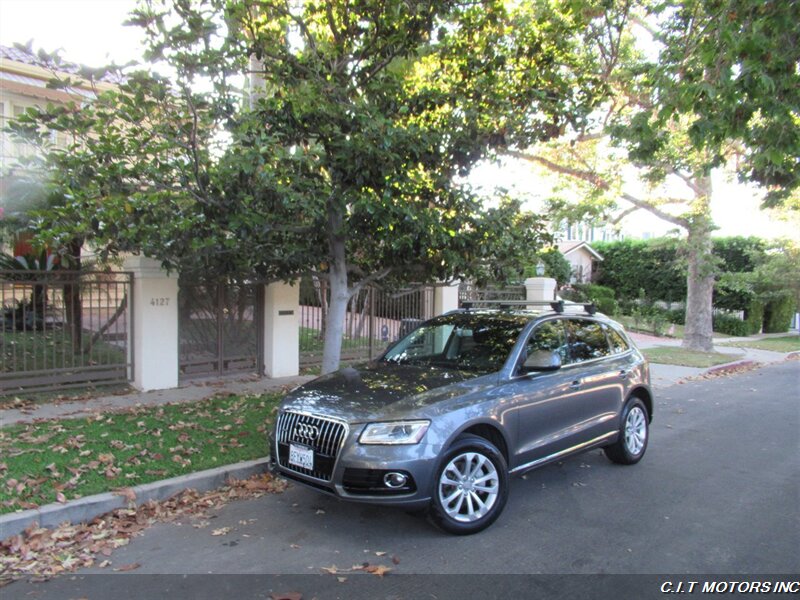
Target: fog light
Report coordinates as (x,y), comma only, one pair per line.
(394,480)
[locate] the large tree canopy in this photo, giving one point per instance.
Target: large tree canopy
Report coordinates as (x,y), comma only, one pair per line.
(692,86)
(345,155)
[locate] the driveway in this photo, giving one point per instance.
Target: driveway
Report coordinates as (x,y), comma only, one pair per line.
(717,493)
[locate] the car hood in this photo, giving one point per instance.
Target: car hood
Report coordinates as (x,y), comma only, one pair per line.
(384,391)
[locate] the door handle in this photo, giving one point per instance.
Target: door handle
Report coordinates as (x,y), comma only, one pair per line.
(624,374)
(575,384)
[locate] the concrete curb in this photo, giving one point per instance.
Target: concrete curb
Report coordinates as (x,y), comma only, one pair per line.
(86,509)
(731,366)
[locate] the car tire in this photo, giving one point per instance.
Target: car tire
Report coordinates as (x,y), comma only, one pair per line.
(634,433)
(470,486)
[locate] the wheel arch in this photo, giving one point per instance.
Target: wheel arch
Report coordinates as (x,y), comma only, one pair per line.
(488,431)
(646,396)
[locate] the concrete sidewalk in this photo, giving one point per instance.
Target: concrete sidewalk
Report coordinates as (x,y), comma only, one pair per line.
(665,375)
(661,375)
(191,392)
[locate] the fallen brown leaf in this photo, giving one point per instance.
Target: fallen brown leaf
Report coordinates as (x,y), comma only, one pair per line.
(129,567)
(287,596)
(379,570)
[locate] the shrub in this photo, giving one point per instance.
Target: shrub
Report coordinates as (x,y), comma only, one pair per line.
(778,314)
(555,266)
(602,296)
(677,316)
(754,317)
(730,324)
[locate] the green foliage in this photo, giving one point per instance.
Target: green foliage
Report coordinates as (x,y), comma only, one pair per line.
(345,160)
(601,296)
(778,314)
(727,71)
(555,266)
(652,265)
(739,254)
(754,317)
(355,131)
(658,266)
(730,325)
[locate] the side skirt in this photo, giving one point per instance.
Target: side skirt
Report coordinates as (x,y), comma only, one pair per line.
(598,441)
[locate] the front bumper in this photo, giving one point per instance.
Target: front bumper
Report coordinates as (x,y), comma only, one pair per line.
(367,463)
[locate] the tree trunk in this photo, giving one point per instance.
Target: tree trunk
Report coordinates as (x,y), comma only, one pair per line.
(700,279)
(72,298)
(340,293)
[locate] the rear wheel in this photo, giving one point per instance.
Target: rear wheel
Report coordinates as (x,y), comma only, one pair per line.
(633,435)
(470,486)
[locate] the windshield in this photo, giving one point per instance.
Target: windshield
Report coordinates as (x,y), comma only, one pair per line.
(464,341)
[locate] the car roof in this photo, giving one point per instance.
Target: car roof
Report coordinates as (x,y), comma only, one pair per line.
(531,310)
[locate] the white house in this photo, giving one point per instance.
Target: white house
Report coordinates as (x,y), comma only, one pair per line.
(583,259)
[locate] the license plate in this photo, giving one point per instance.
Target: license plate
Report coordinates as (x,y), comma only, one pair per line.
(300,456)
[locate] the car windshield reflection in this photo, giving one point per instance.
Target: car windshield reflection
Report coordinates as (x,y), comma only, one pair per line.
(464,342)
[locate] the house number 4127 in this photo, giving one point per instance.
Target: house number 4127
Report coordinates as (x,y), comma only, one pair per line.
(159,301)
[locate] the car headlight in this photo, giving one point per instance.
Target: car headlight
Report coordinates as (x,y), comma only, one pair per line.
(395,432)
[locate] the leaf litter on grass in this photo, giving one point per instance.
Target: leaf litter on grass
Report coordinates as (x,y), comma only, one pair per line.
(46,461)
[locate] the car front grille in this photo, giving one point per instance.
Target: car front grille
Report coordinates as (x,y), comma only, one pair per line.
(324,436)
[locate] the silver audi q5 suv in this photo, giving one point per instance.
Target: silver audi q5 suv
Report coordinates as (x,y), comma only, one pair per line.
(444,417)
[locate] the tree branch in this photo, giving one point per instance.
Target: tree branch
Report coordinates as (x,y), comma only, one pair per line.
(377,276)
(596,180)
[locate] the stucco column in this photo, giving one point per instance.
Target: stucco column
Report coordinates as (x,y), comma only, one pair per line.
(540,289)
(445,298)
(282,330)
(155,324)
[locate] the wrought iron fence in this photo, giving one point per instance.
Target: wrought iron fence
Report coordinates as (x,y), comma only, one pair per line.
(220,328)
(375,317)
(64,329)
(490,296)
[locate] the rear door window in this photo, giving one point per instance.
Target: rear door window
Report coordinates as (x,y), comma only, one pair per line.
(616,341)
(587,340)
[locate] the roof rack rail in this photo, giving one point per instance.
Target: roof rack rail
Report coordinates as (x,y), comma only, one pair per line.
(558,306)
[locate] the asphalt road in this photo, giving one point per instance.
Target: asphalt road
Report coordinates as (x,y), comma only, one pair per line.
(717,493)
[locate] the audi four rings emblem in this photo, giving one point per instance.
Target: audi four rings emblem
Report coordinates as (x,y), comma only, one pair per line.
(306,431)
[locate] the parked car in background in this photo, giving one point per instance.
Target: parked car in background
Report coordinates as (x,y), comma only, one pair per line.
(447,414)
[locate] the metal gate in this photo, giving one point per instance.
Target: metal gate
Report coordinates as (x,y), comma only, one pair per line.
(64,329)
(375,317)
(220,329)
(489,296)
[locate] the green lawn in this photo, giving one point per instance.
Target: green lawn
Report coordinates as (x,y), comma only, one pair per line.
(646,326)
(79,457)
(686,358)
(311,342)
(789,343)
(52,349)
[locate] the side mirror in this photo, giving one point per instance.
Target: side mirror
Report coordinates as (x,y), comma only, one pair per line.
(543,360)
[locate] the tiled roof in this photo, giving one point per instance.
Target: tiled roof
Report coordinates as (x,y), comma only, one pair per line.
(28,58)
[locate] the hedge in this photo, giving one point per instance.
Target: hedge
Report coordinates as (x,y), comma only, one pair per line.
(754,317)
(658,267)
(778,315)
(731,325)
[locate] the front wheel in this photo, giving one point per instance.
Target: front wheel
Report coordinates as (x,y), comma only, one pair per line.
(470,486)
(633,435)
